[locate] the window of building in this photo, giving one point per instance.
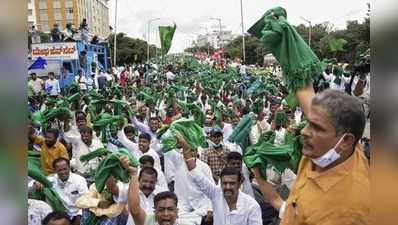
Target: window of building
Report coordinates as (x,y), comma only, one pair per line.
(56,4)
(43,4)
(68,4)
(43,15)
(57,14)
(69,16)
(30,12)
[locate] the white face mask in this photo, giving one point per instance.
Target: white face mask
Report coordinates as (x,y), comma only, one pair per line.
(329,157)
(212,144)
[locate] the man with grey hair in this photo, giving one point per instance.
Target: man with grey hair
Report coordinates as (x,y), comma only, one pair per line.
(332,184)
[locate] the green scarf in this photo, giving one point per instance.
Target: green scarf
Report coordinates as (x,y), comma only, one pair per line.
(265,153)
(47,194)
(189,129)
(299,63)
(111,165)
(240,134)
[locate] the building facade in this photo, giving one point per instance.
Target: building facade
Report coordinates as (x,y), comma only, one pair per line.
(31,14)
(61,12)
(214,39)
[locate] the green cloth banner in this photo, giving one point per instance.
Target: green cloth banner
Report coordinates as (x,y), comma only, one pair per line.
(166,36)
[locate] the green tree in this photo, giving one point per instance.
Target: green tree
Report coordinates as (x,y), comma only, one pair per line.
(130,50)
(254,50)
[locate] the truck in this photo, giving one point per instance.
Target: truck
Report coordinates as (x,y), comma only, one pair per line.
(65,59)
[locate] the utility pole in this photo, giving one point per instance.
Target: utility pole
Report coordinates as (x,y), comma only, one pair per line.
(309,30)
(148,36)
(243,33)
(114,44)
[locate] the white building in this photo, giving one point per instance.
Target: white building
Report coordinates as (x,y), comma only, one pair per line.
(214,40)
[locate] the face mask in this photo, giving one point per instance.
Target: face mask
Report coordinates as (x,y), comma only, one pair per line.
(329,157)
(212,144)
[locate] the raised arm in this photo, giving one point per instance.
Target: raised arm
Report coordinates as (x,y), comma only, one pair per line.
(304,97)
(141,127)
(203,183)
(268,190)
(133,201)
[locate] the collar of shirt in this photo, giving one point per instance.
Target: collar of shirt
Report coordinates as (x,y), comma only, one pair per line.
(327,179)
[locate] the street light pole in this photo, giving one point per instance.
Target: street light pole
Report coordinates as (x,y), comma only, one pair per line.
(219,22)
(148,36)
(243,33)
(114,44)
(309,30)
(207,40)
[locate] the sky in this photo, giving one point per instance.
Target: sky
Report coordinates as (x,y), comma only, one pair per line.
(191,15)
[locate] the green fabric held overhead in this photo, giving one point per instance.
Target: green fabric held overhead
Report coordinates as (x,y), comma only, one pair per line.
(265,153)
(111,165)
(299,63)
(258,106)
(281,118)
(34,169)
(338,72)
(240,134)
(189,129)
(105,119)
(47,194)
(94,154)
(166,34)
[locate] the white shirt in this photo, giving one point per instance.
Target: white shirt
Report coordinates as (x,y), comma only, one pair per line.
(82,83)
(247,210)
(79,148)
(37,211)
(52,87)
(327,77)
(280,136)
(257,129)
(341,86)
(146,203)
(170,75)
(68,191)
(227,130)
(190,197)
(133,148)
(37,85)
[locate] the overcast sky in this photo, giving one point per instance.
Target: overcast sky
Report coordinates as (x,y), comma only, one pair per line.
(190,15)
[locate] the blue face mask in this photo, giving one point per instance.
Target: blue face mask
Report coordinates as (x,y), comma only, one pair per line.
(329,157)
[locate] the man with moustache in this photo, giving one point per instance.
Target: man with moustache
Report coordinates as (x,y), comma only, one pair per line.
(146,203)
(51,148)
(69,186)
(332,184)
(230,205)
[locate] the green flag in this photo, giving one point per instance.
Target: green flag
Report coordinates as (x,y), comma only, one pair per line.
(166,36)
